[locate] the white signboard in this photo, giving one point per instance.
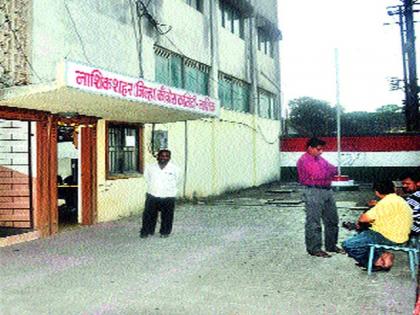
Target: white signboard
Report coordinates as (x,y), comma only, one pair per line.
(130,141)
(97,80)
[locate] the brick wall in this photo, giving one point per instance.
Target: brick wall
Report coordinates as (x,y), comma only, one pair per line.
(14,174)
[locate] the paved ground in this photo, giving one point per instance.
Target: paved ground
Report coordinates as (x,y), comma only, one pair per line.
(233,255)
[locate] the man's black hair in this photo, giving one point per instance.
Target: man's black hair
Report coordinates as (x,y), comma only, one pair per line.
(163,151)
(414,175)
(384,187)
(314,142)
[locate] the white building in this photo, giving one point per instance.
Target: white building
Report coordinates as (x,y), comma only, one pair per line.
(89,89)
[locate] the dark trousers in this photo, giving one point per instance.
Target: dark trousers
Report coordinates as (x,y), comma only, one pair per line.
(153,205)
(358,247)
(320,205)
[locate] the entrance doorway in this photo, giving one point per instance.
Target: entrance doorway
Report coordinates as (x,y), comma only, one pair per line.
(30,147)
(73,157)
(68,160)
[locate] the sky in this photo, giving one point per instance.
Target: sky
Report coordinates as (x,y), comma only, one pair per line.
(369,52)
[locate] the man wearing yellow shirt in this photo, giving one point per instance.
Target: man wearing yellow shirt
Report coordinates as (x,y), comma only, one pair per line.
(391,220)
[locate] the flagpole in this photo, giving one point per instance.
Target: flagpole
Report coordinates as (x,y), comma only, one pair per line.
(338,109)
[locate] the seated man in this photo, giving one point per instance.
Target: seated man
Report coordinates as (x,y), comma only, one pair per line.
(390,220)
(411,184)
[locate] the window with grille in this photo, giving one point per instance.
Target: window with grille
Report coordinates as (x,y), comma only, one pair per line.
(233,93)
(174,70)
(267,105)
(124,149)
(231,18)
(265,44)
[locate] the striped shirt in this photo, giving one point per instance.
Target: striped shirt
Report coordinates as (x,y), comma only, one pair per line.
(414,201)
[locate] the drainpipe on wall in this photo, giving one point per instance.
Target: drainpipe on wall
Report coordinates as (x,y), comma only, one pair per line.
(185,157)
(213,85)
(138,33)
(253,73)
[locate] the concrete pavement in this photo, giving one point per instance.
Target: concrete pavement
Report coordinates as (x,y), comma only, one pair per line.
(231,255)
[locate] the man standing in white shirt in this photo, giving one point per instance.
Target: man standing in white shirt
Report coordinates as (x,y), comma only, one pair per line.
(161,179)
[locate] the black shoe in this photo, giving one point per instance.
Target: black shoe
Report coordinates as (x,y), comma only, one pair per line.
(320,253)
(143,235)
(164,235)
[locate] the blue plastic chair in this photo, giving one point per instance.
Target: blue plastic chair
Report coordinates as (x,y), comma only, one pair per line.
(411,249)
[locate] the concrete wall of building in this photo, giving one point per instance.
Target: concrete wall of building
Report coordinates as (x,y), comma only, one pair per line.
(190,29)
(116,198)
(112,41)
(265,8)
(239,151)
(77,31)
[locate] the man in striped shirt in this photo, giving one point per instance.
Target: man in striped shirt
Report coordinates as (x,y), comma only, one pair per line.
(411,184)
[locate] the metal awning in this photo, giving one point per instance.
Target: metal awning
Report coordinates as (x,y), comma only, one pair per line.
(94,92)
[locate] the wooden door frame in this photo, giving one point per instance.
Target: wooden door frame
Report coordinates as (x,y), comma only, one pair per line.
(87,170)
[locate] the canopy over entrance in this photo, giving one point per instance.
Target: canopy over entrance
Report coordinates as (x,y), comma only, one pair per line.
(84,90)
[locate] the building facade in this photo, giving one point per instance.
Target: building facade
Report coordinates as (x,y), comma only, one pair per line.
(89,90)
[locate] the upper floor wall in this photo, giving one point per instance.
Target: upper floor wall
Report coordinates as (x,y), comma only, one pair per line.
(229,37)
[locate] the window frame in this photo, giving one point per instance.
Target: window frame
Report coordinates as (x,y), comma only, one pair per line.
(196,4)
(184,67)
(232,91)
(265,43)
(140,151)
(272,104)
(232,19)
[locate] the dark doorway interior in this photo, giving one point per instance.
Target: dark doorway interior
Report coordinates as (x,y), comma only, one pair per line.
(67,175)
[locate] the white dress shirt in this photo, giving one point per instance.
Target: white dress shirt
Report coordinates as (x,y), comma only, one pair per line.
(162,183)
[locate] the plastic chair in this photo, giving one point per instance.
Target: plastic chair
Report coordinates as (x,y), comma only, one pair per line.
(412,252)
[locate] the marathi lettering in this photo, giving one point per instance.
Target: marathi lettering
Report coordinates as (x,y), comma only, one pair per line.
(95,79)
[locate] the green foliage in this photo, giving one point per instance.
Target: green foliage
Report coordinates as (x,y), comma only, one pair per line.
(312,117)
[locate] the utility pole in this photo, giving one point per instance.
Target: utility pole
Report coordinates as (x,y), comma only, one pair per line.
(405,14)
(412,101)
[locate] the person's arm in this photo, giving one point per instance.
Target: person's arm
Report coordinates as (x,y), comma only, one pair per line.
(302,171)
(372,203)
(332,169)
(364,218)
(147,174)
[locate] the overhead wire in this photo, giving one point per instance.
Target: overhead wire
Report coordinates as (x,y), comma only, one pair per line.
(76,31)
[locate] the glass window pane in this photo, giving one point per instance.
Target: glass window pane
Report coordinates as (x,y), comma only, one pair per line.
(123,152)
(162,70)
(264,105)
(225,93)
(190,76)
(203,79)
(176,71)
